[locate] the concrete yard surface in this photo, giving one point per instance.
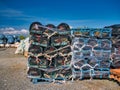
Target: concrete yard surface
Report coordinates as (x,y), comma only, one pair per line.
(13,76)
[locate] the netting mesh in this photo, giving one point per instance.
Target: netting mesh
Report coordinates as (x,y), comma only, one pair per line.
(54,55)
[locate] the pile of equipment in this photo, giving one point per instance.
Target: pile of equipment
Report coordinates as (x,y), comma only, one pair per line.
(91,53)
(49,53)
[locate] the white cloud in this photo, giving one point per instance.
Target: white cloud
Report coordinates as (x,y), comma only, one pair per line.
(11,13)
(11,30)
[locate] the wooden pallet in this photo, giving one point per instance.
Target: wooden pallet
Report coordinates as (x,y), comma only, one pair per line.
(115,75)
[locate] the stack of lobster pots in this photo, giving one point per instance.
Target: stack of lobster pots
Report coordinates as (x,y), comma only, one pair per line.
(115,57)
(91,50)
(49,53)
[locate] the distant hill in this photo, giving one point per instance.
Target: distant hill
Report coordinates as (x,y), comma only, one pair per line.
(115,28)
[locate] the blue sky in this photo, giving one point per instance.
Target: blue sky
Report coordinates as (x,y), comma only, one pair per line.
(20,14)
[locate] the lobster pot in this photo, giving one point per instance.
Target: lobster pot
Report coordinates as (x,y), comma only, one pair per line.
(35,49)
(85,32)
(92,42)
(106,44)
(78,63)
(47,31)
(79,40)
(106,33)
(115,31)
(117,51)
(91,53)
(65,51)
(117,42)
(97,52)
(43,42)
(44,62)
(63,58)
(76,32)
(97,74)
(87,74)
(36,28)
(86,67)
(76,73)
(77,45)
(104,64)
(50,50)
(93,62)
(106,54)
(40,62)
(92,32)
(59,40)
(86,51)
(77,55)
(57,74)
(116,64)
(68,60)
(82,74)
(37,31)
(64,32)
(96,33)
(32,61)
(59,61)
(35,38)
(49,53)
(34,72)
(115,61)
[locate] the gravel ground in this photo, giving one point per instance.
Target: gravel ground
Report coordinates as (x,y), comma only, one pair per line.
(13,77)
